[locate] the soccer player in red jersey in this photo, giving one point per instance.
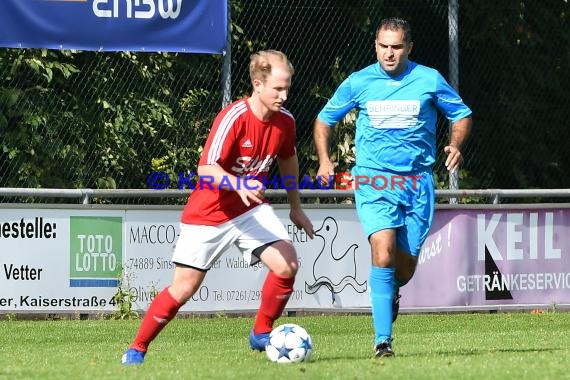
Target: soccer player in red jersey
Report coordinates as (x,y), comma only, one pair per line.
(247,138)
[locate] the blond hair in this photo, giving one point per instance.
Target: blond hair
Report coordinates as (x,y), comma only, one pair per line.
(261,62)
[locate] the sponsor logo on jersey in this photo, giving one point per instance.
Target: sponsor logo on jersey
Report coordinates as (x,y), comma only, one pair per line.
(252,165)
(247,144)
(393,114)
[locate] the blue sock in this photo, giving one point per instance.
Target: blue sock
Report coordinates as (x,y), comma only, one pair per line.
(381,297)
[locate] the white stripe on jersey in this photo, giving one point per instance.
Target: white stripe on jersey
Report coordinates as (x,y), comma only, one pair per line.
(286,112)
(389,122)
(222,131)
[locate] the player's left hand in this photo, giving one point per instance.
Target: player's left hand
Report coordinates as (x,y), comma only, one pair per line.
(454,157)
(301,220)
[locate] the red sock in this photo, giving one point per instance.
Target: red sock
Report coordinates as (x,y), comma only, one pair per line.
(274,296)
(161,311)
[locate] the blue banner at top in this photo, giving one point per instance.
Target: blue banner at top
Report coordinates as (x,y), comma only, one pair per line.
(193,26)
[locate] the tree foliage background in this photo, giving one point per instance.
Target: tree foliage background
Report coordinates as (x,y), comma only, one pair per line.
(72,119)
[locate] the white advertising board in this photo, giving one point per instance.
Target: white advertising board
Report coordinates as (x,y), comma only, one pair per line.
(70,261)
(74,260)
(59,260)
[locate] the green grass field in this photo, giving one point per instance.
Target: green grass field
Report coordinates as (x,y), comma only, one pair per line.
(450,346)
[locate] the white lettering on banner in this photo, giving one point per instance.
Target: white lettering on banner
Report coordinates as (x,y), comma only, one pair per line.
(146,8)
(430,250)
(513,281)
(97,252)
(515,238)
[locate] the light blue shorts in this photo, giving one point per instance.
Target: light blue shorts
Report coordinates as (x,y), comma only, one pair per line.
(404,202)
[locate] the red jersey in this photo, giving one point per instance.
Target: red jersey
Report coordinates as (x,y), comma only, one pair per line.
(243,146)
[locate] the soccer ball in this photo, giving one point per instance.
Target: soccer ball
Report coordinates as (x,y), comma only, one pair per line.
(289,343)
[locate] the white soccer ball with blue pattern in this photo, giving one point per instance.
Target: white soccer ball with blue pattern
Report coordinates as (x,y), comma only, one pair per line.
(289,343)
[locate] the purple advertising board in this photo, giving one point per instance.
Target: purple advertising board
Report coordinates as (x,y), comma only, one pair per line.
(493,257)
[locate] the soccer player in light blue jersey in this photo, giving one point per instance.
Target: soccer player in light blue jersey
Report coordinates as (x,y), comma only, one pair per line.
(397,102)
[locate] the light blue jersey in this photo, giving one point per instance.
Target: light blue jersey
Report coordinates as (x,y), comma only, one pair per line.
(395,128)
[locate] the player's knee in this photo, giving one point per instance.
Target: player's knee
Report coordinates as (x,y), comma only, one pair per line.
(382,259)
(281,258)
(182,289)
(181,292)
(293,269)
(288,269)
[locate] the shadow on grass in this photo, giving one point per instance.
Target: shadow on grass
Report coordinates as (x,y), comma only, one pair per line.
(459,352)
(475,351)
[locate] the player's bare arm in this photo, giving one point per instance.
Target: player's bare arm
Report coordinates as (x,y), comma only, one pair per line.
(459,133)
(290,168)
(322,137)
(251,190)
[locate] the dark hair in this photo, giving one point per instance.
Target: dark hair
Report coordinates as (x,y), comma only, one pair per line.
(394,24)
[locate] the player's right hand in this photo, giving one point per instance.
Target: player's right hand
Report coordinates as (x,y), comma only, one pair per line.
(326,173)
(251,190)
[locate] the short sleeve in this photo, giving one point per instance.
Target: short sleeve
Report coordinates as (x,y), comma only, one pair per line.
(341,103)
(449,102)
